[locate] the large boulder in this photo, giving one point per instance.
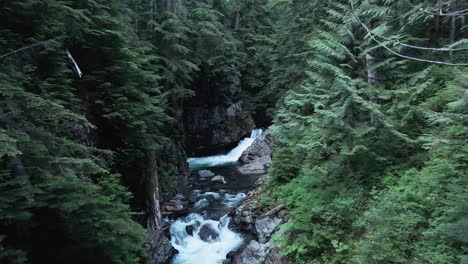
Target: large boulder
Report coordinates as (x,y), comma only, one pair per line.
(256,167)
(208,233)
(205,173)
(259,149)
(265,227)
(257,157)
(253,253)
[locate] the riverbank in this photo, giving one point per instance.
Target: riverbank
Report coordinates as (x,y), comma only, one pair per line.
(207,223)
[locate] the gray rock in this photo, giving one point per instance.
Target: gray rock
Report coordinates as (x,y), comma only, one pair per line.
(256,167)
(218,178)
(253,253)
(207,233)
(205,173)
(234,108)
(257,157)
(161,250)
(189,230)
(265,227)
(260,148)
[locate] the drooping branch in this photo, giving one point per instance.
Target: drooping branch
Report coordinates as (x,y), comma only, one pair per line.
(439,11)
(46,43)
(374,36)
(397,41)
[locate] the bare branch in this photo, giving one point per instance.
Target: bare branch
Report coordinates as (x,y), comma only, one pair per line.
(50,41)
(373,36)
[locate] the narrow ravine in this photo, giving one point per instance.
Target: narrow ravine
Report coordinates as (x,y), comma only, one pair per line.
(204,235)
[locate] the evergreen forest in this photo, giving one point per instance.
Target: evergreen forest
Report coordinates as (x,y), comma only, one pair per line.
(103,101)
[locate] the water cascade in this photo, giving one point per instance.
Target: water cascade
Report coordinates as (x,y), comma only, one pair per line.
(231,157)
(208,242)
(203,236)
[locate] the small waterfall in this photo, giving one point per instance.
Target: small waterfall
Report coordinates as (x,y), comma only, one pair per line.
(200,240)
(231,157)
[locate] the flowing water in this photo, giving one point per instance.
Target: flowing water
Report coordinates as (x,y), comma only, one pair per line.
(225,159)
(204,237)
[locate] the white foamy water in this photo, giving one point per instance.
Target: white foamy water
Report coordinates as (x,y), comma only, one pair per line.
(232,200)
(193,250)
(205,241)
(228,158)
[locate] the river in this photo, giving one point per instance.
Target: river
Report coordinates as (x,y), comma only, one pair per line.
(204,237)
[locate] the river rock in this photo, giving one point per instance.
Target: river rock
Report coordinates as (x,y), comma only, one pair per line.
(259,149)
(253,253)
(258,222)
(205,173)
(265,227)
(207,233)
(218,178)
(257,167)
(257,157)
(189,230)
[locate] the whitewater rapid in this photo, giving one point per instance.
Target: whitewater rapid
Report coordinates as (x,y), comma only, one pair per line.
(196,247)
(197,238)
(231,157)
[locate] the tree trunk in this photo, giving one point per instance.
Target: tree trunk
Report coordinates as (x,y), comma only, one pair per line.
(152,192)
(372,80)
(452,32)
(161,250)
(349,141)
(237,22)
(153,17)
(437,18)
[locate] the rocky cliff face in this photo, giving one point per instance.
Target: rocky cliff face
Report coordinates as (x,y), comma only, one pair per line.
(211,129)
(173,169)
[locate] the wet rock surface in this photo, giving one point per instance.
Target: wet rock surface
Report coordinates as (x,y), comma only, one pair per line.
(259,222)
(207,233)
(260,148)
(257,157)
(259,166)
(253,253)
(205,173)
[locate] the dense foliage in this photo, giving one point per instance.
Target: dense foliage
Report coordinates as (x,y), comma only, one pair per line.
(372,155)
(369,115)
